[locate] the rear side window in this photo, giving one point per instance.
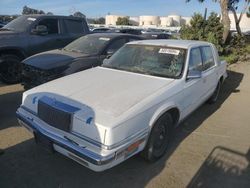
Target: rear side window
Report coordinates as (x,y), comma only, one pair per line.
(74,26)
(207,56)
(195,60)
(51,24)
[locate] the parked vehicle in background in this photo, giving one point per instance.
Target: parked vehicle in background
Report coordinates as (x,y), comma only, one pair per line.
(1,24)
(100,30)
(83,53)
(127,30)
(156,35)
(104,115)
(31,34)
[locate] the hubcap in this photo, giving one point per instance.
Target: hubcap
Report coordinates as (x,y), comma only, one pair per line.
(160,137)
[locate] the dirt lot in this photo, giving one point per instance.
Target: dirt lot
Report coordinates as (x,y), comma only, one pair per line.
(210,149)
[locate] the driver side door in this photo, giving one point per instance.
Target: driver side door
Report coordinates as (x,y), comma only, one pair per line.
(49,41)
(193,92)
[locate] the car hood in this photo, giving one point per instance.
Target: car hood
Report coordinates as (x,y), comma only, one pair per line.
(52,59)
(108,93)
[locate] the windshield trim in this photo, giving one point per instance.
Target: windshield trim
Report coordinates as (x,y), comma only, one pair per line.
(131,72)
(161,76)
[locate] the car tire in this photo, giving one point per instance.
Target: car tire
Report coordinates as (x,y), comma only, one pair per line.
(159,138)
(10,69)
(213,99)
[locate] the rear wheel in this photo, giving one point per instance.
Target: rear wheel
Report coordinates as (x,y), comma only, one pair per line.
(11,69)
(159,138)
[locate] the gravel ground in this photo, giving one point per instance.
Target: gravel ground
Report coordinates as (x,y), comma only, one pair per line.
(210,149)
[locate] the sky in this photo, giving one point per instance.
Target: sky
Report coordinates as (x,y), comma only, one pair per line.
(98,8)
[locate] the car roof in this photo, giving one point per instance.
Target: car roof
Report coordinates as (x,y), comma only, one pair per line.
(170,42)
(53,16)
(112,35)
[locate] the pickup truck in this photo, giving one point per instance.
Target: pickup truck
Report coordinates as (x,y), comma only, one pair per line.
(104,115)
(31,34)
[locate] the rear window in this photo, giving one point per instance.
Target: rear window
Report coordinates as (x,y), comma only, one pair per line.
(74,26)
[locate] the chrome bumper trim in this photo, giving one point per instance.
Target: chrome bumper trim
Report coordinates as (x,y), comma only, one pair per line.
(81,152)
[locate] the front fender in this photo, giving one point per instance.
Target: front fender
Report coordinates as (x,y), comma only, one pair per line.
(160,111)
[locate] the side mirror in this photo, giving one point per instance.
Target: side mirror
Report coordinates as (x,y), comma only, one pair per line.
(105,61)
(40,30)
(193,74)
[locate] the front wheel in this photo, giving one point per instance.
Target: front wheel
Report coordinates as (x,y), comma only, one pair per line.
(10,69)
(159,138)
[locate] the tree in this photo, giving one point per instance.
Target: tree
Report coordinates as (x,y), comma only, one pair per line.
(79,14)
(224,15)
(122,21)
(28,10)
(233,7)
(99,21)
(210,30)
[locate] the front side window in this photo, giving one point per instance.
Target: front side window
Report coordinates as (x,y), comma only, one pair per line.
(195,60)
(115,45)
(150,60)
(208,58)
(51,24)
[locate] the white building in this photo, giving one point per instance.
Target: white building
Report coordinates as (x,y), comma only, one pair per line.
(149,20)
(166,21)
(134,20)
(171,21)
(112,19)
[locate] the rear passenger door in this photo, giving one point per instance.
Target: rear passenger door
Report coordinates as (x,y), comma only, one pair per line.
(209,75)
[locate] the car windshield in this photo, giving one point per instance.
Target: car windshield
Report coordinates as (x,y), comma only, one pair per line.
(19,24)
(151,60)
(89,44)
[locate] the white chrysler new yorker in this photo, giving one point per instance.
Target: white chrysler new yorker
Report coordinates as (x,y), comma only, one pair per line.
(104,115)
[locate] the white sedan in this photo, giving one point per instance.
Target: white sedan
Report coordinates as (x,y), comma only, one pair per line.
(104,115)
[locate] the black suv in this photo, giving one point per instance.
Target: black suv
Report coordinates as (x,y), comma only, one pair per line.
(31,34)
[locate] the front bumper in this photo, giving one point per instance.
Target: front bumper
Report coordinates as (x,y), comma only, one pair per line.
(32,76)
(82,155)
